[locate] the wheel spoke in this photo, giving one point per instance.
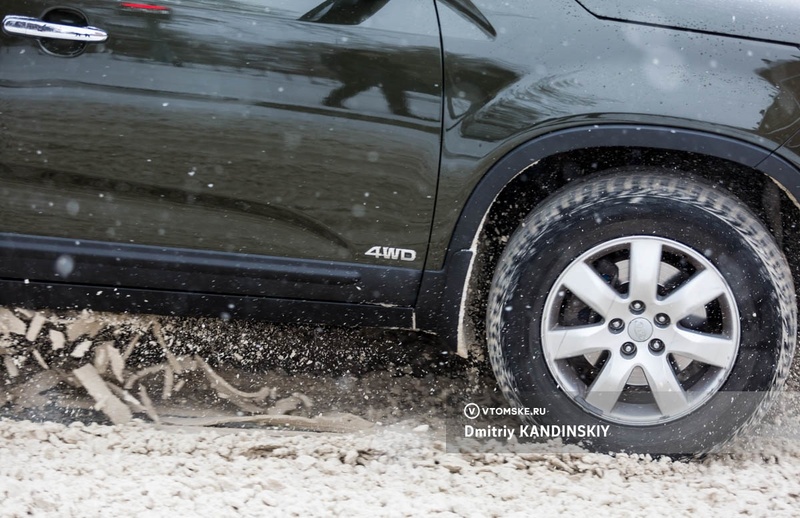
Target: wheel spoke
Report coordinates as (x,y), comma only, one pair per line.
(645,265)
(607,386)
(663,332)
(667,391)
(583,281)
(567,342)
(709,349)
(698,291)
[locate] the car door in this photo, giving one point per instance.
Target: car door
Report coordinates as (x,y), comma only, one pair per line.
(260,147)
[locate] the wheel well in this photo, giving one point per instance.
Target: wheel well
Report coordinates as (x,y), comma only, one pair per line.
(764,197)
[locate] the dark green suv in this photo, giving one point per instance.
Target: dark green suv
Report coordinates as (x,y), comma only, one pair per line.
(602,194)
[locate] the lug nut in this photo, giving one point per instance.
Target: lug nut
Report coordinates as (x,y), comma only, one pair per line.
(616,325)
(656,345)
(637,307)
(628,349)
(662,320)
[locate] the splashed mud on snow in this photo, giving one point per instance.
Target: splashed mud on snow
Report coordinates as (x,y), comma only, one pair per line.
(163,369)
(374,399)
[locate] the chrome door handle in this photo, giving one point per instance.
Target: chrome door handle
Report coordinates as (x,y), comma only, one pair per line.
(36,28)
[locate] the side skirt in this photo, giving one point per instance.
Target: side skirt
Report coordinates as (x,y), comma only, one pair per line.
(40,295)
(121,265)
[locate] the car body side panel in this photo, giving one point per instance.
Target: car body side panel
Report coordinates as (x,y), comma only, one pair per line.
(330,126)
(239,127)
(772,20)
(536,78)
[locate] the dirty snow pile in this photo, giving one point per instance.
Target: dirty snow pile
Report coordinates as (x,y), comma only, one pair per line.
(356,427)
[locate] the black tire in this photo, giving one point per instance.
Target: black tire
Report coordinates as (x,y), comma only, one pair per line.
(718,362)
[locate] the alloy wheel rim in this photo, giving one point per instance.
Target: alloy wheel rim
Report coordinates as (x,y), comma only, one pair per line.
(640,330)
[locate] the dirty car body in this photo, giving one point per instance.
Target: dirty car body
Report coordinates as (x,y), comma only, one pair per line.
(601,193)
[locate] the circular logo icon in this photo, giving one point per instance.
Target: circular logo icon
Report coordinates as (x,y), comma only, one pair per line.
(472,411)
(640,329)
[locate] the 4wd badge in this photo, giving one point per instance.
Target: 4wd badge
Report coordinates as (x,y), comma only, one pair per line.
(394,254)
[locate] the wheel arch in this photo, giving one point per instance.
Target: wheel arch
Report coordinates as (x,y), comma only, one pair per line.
(452,301)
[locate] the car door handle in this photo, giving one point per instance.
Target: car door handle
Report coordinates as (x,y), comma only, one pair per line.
(36,28)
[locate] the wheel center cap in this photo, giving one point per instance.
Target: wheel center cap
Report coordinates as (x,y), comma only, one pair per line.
(640,329)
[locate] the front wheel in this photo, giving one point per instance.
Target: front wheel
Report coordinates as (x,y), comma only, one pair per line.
(656,307)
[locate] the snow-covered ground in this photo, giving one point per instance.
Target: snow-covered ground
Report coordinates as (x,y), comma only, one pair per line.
(399,465)
(140,470)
